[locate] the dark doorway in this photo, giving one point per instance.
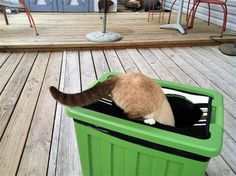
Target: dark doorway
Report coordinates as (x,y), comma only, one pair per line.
(136,5)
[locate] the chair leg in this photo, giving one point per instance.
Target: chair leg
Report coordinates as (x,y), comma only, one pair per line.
(224,7)
(190,16)
(27,13)
(5,15)
(193,15)
(225,16)
(149,8)
(209,13)
(150,11)
(160,11)
(171,10)
(31,20)
(187,11)
(153,10)
(164,7)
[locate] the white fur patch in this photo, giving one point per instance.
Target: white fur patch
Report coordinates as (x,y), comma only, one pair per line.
(150,121)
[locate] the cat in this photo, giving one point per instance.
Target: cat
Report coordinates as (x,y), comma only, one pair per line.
(136,94)
(101,4)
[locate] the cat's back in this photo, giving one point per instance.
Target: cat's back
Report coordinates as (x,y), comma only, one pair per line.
(136,81)
(137,90)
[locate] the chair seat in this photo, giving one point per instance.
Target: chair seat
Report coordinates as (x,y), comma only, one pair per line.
(10,4)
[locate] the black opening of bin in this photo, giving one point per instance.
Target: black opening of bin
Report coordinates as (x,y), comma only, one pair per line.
(199,129)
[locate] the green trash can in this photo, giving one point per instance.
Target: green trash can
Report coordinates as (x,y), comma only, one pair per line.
(109,145)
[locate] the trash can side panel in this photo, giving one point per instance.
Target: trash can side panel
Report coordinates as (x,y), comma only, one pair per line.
(94,154)
(209,147)
(84,150)
(102,154)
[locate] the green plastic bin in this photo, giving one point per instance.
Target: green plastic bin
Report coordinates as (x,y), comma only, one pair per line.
(113,146)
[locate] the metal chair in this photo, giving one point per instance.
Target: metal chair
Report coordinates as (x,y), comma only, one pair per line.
(20,5)
(151,9)
(196,3)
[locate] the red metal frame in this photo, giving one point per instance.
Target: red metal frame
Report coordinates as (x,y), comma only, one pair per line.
(192,13)
(196,3)
(30,18)
(152,12)
(21,4)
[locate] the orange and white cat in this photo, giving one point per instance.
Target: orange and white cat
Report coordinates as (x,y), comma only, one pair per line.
(136,94)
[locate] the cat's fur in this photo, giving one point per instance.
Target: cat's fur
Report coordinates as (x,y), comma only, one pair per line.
(135,93)
(101,4)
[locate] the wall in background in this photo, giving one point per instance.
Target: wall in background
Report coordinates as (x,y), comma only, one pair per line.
(216,12)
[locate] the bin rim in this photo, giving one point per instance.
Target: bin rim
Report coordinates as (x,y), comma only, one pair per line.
(217,98)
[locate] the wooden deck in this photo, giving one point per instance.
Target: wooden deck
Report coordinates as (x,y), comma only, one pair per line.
(36,138)
(67,31)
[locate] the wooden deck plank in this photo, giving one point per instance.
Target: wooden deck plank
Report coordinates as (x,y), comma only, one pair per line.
(214,75)
(226,70)
(3,58)
(68,162)
(126,61)
(228,152)
(13,140)
(100,62)
(88,75)
(229,59)
(156,65)
(113,61)
(37,148)
(190,70)
(218,167)
(230,123)
(52,163)
(193,62)
(222,60)
(142,65)
(8,68)
(135,29)
(162,56)
(13,89)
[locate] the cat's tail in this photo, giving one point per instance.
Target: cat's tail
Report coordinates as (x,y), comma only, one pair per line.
(87,97)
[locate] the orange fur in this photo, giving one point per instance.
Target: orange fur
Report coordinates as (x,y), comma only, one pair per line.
(135,93)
